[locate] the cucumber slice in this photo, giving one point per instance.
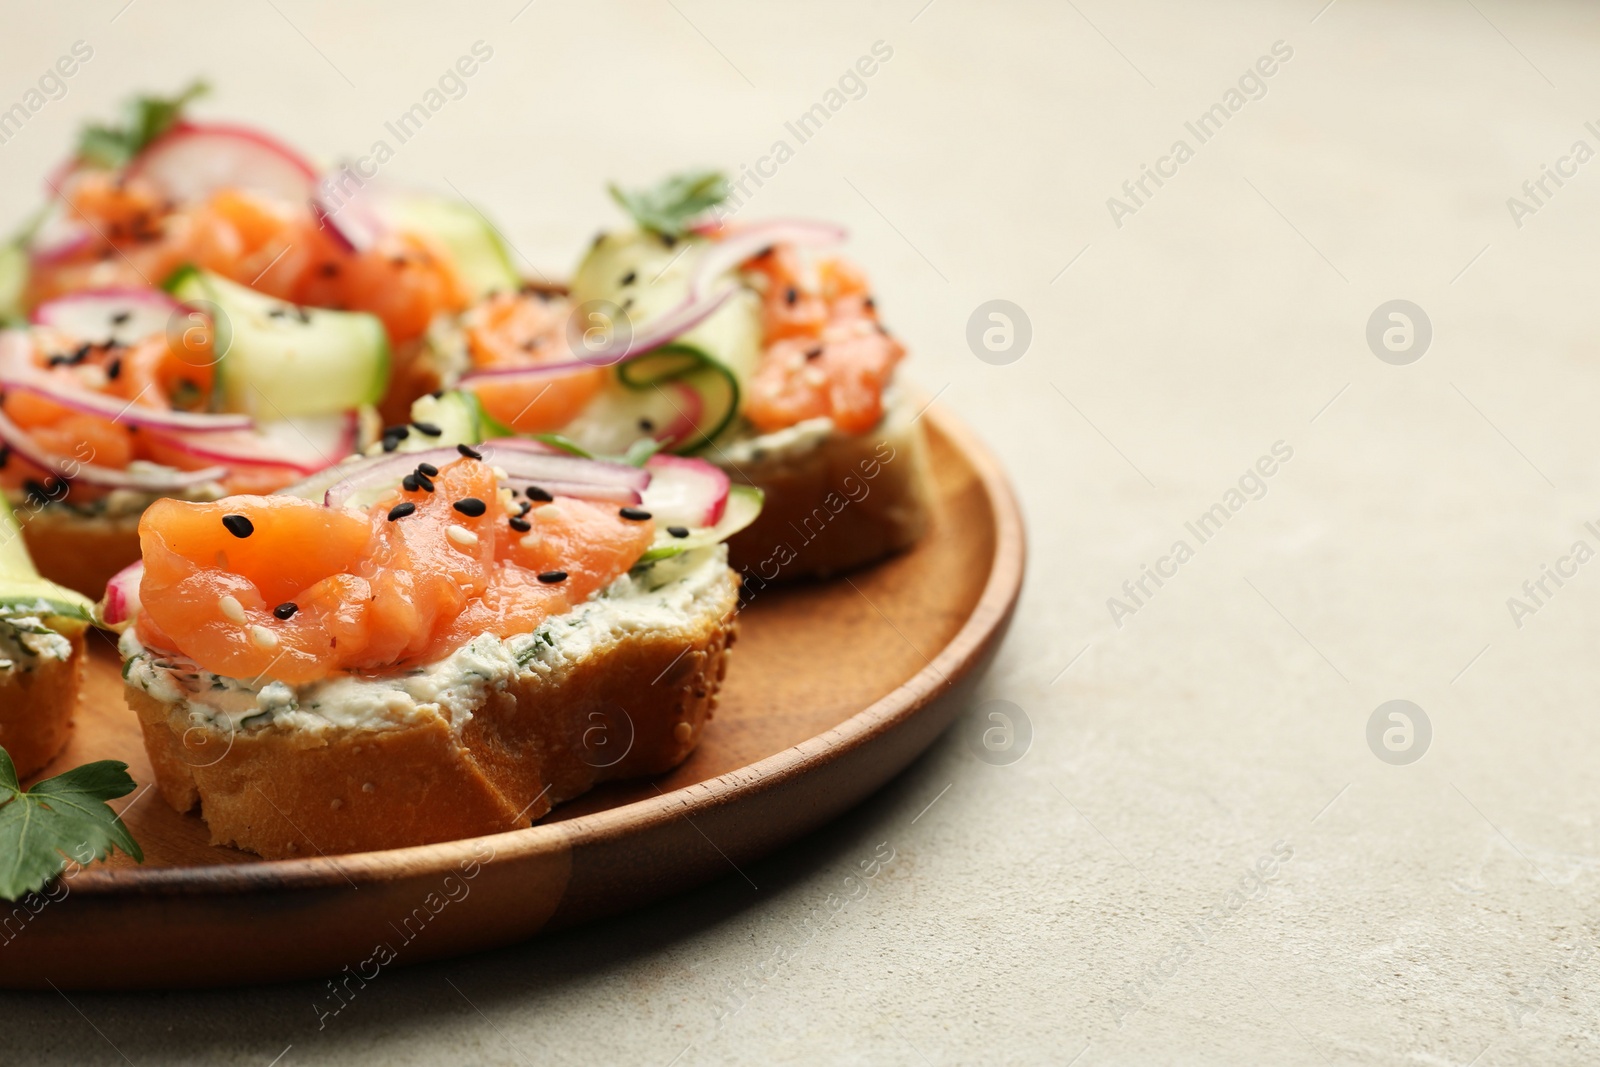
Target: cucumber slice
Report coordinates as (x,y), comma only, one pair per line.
(279,360)
(643,274)
(480,255)
(23,593)
(715,386)
(457,414)
(744,504)
(647,275)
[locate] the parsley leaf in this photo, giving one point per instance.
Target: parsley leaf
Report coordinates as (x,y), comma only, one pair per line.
(669,207)
(60,818)
(144,119)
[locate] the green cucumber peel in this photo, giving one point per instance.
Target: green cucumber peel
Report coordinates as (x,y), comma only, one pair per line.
(694,367)
(23,593)
(744,504)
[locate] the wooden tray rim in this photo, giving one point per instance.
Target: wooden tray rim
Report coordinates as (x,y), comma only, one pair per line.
(951,662)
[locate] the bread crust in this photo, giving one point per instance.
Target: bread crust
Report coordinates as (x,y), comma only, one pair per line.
(36,709)
(847,502)
(541,739)
(78,551)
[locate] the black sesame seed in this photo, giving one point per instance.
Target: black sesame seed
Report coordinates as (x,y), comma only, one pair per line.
(869,303)
(437,393)
(678,531)
(82,353)
(277,313)
(646,426)
(238,525)
(423,482)
(535,493)
(427,468)
(669,240)
(401,510)
(636,514)
(469,451)
(552,577)
(121,317)
(519,524)
(813,352)
(470,505)
(391,443)
(791,295)
(114,369)
(427,428)
(399,433)
(409,483)
(526,507)
(286,610)
(630,277)
(329,270)
(5,455)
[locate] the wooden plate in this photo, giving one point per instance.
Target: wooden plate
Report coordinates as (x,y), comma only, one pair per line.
(833,692)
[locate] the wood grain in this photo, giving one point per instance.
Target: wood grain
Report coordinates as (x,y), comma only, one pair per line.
(831,693)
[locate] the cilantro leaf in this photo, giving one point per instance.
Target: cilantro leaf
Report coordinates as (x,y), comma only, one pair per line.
(670,206)
(61,818)
(144,119)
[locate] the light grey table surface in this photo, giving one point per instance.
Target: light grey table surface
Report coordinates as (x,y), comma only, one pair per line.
(1093,899)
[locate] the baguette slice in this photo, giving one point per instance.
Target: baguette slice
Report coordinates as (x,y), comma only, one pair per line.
(834,501)
(81,552)
(38,695)
(486,741)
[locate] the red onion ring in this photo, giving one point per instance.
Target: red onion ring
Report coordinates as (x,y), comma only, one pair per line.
(722,256)
(104,477)
(18,372)
(577,476)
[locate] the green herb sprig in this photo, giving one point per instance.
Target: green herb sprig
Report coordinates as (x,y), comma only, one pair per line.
(60,819)
(670,206)
(144,118)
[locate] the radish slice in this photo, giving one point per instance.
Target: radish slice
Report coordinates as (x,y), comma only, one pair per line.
(303,445)
(346,214)
(147,479)
(192,160)
(685,492)
(688,409)
(121,601)
(18,372)
(105,316)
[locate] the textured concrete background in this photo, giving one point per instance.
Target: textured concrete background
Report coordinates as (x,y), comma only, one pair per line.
(1093,899)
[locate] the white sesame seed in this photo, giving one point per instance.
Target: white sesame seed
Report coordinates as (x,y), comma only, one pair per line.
(547,511)
(335,803)
(231,609)
(461,536)
(263,637)
(507,501)
(530,542)
(682,732)
(814,376)
(368,787)
(500,473)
